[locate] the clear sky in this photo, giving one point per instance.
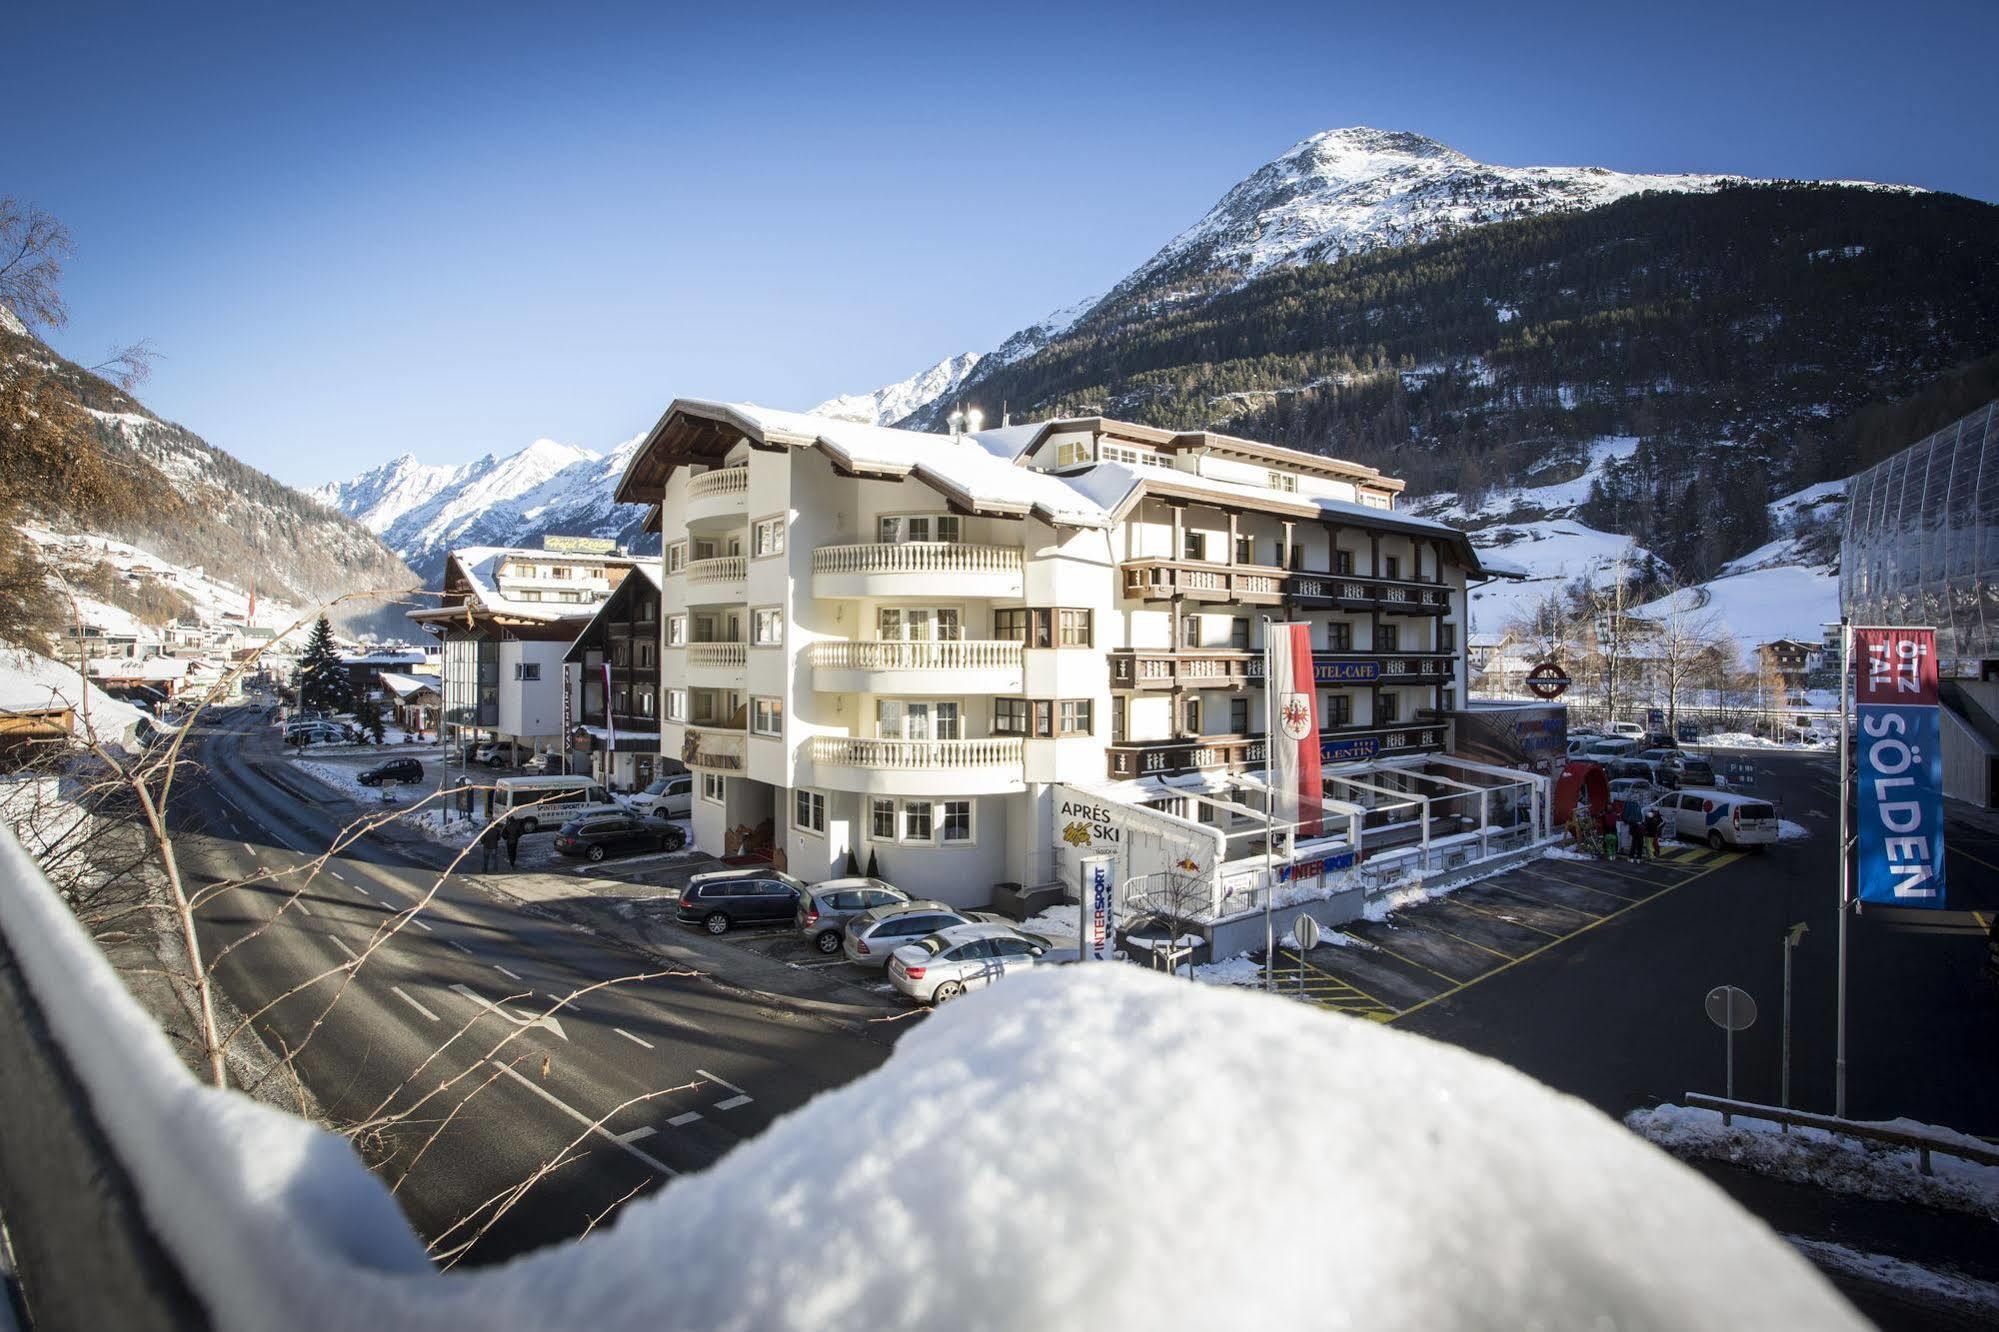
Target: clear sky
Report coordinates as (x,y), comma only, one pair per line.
(355,232)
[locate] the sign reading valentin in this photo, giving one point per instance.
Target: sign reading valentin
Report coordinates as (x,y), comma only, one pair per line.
(1900,768)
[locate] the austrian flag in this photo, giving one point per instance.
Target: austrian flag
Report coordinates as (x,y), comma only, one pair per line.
(1293,742)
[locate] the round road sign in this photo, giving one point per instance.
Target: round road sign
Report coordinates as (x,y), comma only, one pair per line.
(1306,931)
(1548,680)
(1730,1009)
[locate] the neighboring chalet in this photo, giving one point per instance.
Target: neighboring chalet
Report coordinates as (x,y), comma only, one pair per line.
(1788,662)
(416,700)
(508,616)
(615,684)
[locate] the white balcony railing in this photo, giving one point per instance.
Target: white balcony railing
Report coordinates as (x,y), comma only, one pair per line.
(725,481)
(916,557)
(720,655)
(721,569)
(941,655)
(915,755)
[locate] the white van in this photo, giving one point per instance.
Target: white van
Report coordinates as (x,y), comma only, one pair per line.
(550,802)
(1632,729)
(1719,818)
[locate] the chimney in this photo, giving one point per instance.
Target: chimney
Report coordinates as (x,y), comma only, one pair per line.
(957,421)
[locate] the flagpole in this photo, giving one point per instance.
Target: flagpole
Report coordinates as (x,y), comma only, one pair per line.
(1845,906)
(1269,816)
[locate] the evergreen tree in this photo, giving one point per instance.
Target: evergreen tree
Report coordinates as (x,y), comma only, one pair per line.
(322,681)
(368,715)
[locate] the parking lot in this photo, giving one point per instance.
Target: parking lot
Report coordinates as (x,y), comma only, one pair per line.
(1388,969)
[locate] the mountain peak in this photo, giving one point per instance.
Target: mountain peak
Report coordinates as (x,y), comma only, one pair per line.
(1365,141)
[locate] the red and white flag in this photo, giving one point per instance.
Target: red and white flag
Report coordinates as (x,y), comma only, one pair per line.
(1293,743)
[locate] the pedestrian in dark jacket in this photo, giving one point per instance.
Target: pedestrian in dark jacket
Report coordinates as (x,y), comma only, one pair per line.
(513,835)
(1607,824)
(1654,825)
(1634,820)
(489,847)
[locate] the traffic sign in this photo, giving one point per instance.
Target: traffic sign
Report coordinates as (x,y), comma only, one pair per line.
(1548,680)
(1731,1009)
(1306,931)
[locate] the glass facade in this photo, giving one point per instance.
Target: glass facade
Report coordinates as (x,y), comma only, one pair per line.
(471,680)
(1922,540)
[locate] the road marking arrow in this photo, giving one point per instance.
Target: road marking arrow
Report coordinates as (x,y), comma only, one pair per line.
(547,1020)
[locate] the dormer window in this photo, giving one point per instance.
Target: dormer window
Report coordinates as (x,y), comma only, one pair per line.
(1284,481)
(1073,454)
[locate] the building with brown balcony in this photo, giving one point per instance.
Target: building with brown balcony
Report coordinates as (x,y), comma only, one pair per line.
(613,679)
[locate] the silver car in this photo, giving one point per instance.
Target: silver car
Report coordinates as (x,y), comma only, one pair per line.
(944,965)
(871,936)
(825,908)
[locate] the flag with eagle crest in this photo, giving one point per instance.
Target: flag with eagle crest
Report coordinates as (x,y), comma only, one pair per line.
(1293,744)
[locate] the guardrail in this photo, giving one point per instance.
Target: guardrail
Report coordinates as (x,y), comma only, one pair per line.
(1922,1144)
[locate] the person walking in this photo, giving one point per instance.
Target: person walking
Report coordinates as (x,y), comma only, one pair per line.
(1634,830)
(489,847)
(1655,824)
(513,836)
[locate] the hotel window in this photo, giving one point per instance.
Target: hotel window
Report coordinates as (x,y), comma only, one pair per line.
(1339,710)
(1011,625)
(916,719)
(1447,638)
(648,610)
(1343,561)
(676,705)
(1076,628)
(676,557)
(713,787)
(1072,454)
(916,821)
(808,811)
(527,670)
(1387,638)
(1238,716)
(645,653)
(956,825)
(1077,716)
(767,627)
(767,537)
(1245,550)
(1282,481)
(900,527)
(881,820)
(920,624)
(1193,545)
(1190,716)
(645,699)
(1374,500)
(527,594)
(1391,566)
(621,653)
(1339,636)
(1239,634)
(1385,708)
(1190,631)
(1009,716)
(767,716)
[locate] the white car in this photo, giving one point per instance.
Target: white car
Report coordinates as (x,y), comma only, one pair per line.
(1629,729)
(944,965)
(1719,818)
(668,798)
(1632,788)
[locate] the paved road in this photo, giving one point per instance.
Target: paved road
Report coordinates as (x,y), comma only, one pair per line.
(716,1065)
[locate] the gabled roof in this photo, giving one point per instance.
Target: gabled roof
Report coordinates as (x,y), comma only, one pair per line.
(471,572)
(649,576)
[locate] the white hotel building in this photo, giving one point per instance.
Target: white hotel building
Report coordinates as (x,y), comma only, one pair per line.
(908,645)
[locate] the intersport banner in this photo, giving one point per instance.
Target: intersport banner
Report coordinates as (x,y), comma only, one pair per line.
(1899,768)
(1294,744)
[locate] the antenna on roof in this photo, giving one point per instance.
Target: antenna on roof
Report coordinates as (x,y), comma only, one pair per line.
(957,421)
(974,418)
(1006,417)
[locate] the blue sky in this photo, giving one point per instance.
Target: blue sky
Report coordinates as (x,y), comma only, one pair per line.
(358,232)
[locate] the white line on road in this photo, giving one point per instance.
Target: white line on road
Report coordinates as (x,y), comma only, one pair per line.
(583,1119)
(732,1103)
(341,944)
(504,972)
(639,1134)
(633,1039)
(397,990)
(248,849)
(420,925)
(720,1083)
(459,946)
(299,902)
(687,1118)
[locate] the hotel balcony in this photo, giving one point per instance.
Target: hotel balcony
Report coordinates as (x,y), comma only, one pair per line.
(1394,596)
(717,665)
(1238,753)
(920,667)
(1239,668)
(711,746)
(720,494)
(917,569)
(717,581)
(917,767)
(1231,584)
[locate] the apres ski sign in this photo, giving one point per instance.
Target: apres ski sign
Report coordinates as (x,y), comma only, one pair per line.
(1900,768)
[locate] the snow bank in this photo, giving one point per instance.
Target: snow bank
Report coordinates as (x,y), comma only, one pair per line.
(1041,1154)
(1828,1160)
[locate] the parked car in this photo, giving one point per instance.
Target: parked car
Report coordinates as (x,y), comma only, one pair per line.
(1718,818)
(1610,747)
(874,934)
(317,733)
(1688,770)
(669,797)
(402,771)
(942,966)
(722,899)
(1657,754)
(540,802)
(494,755)
(825,909)
(1629,730)
(1632,788)
(602,835)
(1657,740)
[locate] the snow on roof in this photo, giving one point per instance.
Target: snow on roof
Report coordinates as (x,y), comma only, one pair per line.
(30,682)
(480,565)
(1475,1196)
(139,668)
(402,686)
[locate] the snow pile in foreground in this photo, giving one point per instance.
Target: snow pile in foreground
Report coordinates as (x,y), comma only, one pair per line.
(1065,1150)
(1842,1164)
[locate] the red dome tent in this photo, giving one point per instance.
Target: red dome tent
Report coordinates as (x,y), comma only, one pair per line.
(1580,781)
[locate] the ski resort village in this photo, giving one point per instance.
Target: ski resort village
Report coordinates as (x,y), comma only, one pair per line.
(1427,757)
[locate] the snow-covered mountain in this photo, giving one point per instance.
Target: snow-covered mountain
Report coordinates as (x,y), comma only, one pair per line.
(422,511)
(886,406)
(1338,193)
